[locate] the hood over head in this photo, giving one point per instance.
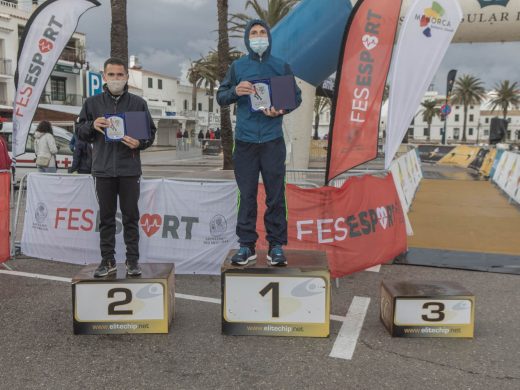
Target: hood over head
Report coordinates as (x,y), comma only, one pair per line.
(246,37)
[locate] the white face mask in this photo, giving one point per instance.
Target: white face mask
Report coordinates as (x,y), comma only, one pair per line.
(116,87)
(259,45)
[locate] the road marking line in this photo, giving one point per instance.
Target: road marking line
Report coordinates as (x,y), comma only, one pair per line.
(177,295)
(37,276)
(375,268)
(197,298)
(348,335)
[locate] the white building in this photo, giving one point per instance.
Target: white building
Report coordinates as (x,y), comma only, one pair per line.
(65,85)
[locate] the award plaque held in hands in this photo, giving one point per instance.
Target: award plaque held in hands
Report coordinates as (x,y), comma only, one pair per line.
(261,98)
(116,129)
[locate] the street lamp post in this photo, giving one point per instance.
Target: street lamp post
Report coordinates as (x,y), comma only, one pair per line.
(452,74)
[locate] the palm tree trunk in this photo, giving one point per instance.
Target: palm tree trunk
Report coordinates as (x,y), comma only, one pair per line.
(226,129)
(211,91)
(465,123)
(119,31)
(194,97)
(316,125)
(429,131)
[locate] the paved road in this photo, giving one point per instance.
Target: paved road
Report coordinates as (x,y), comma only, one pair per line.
(40,351)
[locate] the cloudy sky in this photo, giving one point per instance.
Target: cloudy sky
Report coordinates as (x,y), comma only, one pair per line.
(166,34)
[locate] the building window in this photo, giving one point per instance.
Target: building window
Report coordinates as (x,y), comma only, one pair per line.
(509,134)
(471,107)
(150,82)
(486,133)
(159,83)
(185,105)
(457,107)
(456,133)
(471,117)
(426,133)
(457,117)
(58,88)
(487,120)
(470,131)
(200,106)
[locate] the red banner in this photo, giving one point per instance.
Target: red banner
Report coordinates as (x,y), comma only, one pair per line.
(360,84)
(5,187)
(359,225)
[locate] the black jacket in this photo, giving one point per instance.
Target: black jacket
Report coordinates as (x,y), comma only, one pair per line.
(82,158)
(112,159)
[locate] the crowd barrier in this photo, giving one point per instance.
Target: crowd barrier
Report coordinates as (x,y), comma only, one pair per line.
(192,223)
(5,190)
(507,175)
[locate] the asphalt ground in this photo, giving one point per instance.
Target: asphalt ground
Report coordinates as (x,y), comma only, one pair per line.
(39,350)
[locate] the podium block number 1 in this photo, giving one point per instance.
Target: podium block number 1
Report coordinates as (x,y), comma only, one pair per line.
(273,299)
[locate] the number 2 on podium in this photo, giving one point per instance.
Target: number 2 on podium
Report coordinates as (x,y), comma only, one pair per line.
(275,297)
(128,299)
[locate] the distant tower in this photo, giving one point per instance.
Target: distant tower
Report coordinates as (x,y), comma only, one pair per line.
(134,63)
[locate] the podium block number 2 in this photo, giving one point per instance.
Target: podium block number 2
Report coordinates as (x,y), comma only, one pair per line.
(275,299)
(119,301)
(112,306)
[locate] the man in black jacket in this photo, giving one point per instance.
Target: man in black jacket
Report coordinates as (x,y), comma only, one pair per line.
(116,166)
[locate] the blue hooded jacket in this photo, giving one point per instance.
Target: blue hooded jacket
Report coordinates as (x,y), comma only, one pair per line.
(254,127)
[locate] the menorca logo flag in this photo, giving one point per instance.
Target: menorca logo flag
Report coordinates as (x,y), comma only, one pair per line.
(46,33)
(487,3)
(360,82)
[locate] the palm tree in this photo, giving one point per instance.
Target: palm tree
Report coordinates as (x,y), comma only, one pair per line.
(119,31)
(505,95)
(468,90)
(207,70)
(226,130)
(430,111)
(195,79)
(276,11)
(320,104)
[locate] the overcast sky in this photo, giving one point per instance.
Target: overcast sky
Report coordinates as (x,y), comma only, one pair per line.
(166,34)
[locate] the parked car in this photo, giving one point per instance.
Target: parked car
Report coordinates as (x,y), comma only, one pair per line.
(25,163)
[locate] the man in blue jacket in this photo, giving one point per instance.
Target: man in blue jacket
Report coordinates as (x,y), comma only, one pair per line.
(259,146)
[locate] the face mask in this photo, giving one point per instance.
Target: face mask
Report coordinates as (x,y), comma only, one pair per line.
(259,45)
(116,87)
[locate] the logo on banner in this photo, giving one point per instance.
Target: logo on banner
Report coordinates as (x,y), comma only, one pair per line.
(150,223)
(217,225)
(433,19)
(487,3)
(37,64)
(40,216)
(366,66)
(329,230)
(217,228)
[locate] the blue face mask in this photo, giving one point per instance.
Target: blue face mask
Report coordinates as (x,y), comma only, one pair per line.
(259,45)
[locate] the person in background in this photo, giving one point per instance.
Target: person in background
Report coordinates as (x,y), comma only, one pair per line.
(200,137)
(185,138)
(179,139)
(207,134)
(45,148)
(82,158)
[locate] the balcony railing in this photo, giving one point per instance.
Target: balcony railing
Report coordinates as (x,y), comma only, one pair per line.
(70,100)
(7,3)
(6,67)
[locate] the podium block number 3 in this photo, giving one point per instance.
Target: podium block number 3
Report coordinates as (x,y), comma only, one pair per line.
(112,306)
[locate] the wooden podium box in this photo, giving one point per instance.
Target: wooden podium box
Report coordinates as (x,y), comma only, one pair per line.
(119,303)
(427,309)
(260,299)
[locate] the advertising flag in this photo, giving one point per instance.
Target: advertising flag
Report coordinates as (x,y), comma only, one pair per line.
(424,38)
(360,83)
(46,33)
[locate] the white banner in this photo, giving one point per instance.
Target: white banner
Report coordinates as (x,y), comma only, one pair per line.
(46,34)
(507,175)
(189,224)
(425,36)
(407,174)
